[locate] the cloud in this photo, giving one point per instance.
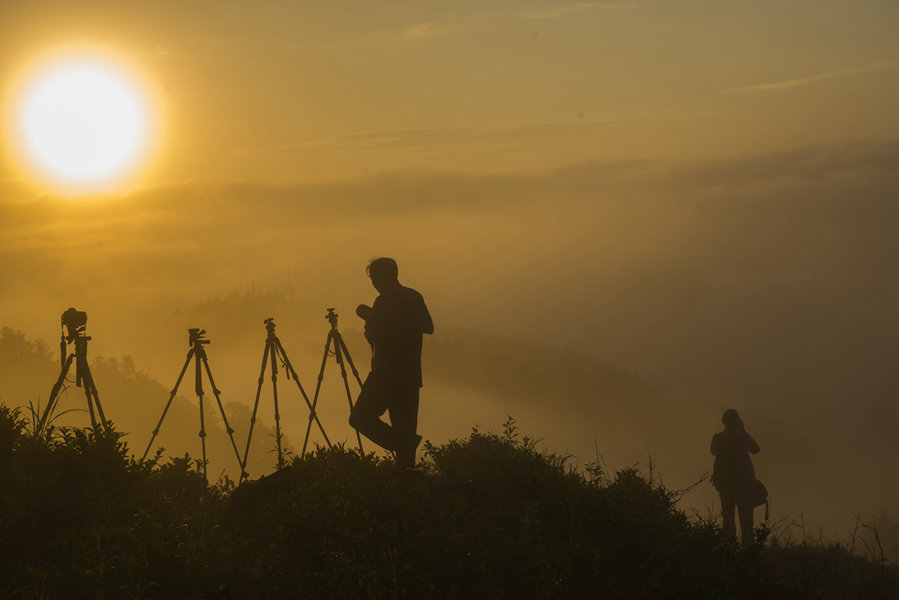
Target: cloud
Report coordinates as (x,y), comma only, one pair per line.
(421,30)
(15,188)
(155,52)
(417,138)
(614,219)
(791,83)
(566,10)
(811,163)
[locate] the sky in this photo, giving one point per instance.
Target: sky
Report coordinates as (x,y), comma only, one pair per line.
(300,91)
(701,193)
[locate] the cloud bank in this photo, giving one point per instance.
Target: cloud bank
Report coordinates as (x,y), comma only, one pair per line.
(802,81)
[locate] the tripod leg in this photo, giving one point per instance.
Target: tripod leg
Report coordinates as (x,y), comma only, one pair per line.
(169,403)
(81,372)
(338,342)
(90,407)
(293,373)
(243,468)
(97,402)
(90,390)
(349,359)
(198,388)
(217,393)
(54,393)
(318,387)
(277,411)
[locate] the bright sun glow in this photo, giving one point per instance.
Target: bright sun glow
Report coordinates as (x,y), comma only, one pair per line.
(84,122)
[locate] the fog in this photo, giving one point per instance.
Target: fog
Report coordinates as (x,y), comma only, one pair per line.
(614,309)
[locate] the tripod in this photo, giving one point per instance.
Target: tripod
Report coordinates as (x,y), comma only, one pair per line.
(75,321)
(198,353)
(275,351)
(340,351)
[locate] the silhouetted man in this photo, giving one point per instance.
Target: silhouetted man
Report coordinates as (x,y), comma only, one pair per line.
(733,475)
(393,326)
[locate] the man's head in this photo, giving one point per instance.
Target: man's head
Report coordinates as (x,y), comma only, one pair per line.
(383,273)
(731,419)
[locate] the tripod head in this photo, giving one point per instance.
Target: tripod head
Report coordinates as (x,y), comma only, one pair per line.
(270,326)
(332,318)
(196,337)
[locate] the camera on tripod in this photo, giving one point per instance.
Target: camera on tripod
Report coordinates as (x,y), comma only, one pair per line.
(75,322)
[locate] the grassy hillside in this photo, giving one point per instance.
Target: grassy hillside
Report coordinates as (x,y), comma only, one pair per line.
(484,517)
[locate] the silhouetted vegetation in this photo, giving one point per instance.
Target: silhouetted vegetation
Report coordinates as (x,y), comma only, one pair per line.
(485,517)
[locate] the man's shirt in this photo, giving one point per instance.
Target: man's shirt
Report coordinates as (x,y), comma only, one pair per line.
(397,321)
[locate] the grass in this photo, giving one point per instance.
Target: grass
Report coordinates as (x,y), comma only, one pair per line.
(487,516)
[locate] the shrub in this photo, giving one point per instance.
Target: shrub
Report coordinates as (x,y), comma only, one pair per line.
(487,516)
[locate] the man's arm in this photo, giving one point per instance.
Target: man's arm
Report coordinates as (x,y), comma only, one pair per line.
(751,444)
(374,322)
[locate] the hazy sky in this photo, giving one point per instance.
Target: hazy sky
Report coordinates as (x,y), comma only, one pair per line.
(649,170)
(539,154)
(290,90)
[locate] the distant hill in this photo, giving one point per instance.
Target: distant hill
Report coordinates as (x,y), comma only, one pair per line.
(533,372)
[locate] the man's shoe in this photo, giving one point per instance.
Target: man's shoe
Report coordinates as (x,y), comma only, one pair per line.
(405,458)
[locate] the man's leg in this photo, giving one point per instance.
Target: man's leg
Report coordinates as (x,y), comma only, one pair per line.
(404,419)
(747,529)
(728,518)
(365,416)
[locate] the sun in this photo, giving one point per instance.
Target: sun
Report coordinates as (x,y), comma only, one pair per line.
(83,122)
